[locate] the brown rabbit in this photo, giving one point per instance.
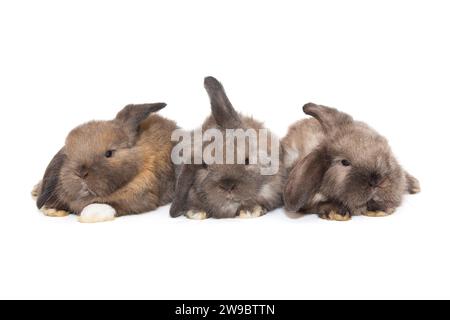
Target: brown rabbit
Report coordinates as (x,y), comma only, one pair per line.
(344,168)
(112,168)
(227,190)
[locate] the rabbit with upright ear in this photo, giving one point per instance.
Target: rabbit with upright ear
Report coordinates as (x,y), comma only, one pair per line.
(112,168)
(343,168)
(224,190)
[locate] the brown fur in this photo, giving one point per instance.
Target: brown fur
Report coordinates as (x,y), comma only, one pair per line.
(343,166)
(138,177)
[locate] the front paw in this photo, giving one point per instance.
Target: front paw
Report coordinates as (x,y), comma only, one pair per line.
(50,212)
(378,213)
(97,212)
(335,216)
(333,212)
(196,215)
(256,212)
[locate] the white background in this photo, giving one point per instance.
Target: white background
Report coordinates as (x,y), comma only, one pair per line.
(385,62)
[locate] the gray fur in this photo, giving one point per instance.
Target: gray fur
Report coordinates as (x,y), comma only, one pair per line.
(222,190)
(319,180)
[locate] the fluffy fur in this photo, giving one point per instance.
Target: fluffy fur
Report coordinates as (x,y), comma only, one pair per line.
(225,190)
(344,168)
(124,163)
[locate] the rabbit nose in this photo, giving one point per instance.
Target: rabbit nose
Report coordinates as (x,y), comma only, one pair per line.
(83,172)
(374,179)
(228,184)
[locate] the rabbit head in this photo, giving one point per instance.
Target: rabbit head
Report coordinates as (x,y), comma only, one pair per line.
(352,166)
(222,190)
(97,159)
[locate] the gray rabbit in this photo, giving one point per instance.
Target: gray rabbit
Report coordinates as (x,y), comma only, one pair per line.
(343,168)
(227,190)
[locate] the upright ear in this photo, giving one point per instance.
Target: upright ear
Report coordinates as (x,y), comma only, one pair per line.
(133,114)
(222,109)
(48,194)
(305,180)
(330,119)
(413,185)
(184,184)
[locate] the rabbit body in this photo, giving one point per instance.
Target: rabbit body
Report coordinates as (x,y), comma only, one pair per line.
(124,163)
(227,190)
(340,167)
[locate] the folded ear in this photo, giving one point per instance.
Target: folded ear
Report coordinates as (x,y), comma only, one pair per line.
(48,194)
(305,179)
(184,184)
(329,118)
(133,114)
(222,109)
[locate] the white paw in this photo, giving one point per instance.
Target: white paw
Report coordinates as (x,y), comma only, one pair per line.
(196,215)
(97,212)
(255,213)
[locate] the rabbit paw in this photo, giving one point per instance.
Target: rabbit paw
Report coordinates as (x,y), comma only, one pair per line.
(255,213)
(97,212)
(413,184)
(378,213)
(334,216)
(50,212)
(196,215)
(35,191)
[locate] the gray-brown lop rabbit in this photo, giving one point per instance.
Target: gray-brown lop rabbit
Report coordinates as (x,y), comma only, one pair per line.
(344,168)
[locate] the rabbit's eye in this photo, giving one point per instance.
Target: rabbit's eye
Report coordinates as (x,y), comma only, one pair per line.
(109,153)
(247,161)
(345,163)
